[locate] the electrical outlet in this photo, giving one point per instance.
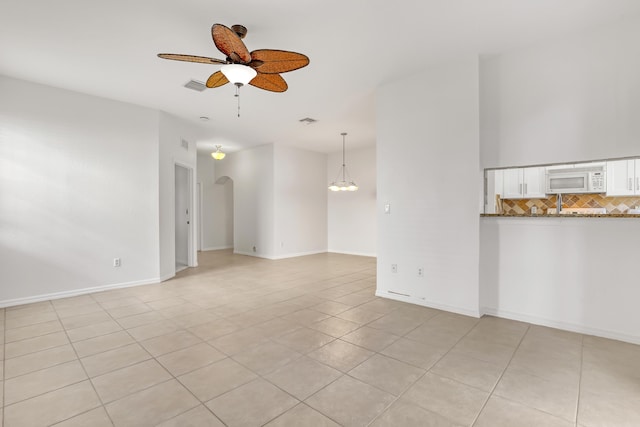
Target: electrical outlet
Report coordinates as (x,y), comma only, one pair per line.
(394,268)
(116,262)
(420,272)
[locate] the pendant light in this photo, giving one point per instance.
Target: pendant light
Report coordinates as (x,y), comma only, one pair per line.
(346,184)
(218,155)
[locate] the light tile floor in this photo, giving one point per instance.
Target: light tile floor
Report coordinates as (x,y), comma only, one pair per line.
(241,341)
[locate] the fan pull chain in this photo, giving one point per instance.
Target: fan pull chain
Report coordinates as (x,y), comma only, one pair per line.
(237,95)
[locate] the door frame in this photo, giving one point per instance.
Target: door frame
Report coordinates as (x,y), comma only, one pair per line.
(191,240)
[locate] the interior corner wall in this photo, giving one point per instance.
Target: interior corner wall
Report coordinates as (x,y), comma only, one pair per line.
(576,99)
(427,164)
(172,132)
(78,188)
(217,205)
(300,202)
(352,224)
(253,199)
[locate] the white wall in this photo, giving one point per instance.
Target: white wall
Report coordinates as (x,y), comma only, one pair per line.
(78,187)
(575,99)
(253,199)
(217,205)
(352,217)
(172,132)
(573,273)
(428,164)
(300,202)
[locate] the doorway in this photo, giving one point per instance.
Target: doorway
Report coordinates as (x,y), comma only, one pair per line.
(182,216)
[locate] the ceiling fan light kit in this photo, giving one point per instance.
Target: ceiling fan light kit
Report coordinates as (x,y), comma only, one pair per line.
(238,74)
(260,68)
(346,183)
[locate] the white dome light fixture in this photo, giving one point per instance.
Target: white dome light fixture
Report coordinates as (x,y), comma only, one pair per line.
(346,184)
(218,155)
(239,75)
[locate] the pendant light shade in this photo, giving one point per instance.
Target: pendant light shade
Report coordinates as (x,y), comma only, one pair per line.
(346,183)
(238,74)
(218,155)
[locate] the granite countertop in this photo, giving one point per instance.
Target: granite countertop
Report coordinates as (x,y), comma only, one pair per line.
(562,216)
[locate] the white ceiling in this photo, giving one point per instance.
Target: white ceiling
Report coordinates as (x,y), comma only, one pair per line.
(108,49)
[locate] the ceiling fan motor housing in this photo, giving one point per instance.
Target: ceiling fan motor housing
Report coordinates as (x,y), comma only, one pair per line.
(240,30)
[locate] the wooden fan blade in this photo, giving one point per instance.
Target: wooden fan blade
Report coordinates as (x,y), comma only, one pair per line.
(229,43)
(270,82)
(191,58)
(278,61)
(216,79)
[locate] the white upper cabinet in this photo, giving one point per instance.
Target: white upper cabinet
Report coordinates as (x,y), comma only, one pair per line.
(524,183)
(534,183)
(623,178)
(512,180)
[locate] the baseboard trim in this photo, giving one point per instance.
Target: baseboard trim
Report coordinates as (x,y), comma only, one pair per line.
(76,292)
(294,255)
(572,327)
(216,248)
(419,301)
(257,255)
(370,255)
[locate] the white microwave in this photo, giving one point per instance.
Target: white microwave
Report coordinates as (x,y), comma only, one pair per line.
(592,179)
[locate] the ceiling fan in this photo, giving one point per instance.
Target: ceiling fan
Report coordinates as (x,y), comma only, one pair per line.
(260,68)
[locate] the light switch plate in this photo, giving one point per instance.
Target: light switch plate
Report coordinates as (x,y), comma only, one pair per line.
(387,208)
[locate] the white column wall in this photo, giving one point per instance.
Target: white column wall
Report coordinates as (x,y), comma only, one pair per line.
(78,188)
(428,164)
(300,202)
(352,217)
(172,132)
(253,199)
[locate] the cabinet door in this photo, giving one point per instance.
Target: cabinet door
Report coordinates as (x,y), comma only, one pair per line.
(512,184)
(620,178)
(534,185)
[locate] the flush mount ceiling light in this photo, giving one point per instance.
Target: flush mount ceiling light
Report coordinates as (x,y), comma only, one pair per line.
(218,155)
(346,184)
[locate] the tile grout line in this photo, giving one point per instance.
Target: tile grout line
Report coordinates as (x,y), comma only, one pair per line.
(84,370)
(475,420)
(426,370)
(580,379)
(173,377)
(4,358)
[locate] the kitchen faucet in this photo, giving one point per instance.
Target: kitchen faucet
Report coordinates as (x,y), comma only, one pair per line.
(559,204)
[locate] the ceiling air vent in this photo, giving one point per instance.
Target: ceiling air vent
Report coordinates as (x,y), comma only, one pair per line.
(307,120)
(195,85)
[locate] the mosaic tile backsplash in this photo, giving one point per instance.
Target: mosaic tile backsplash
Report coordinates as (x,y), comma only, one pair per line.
(614,205)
